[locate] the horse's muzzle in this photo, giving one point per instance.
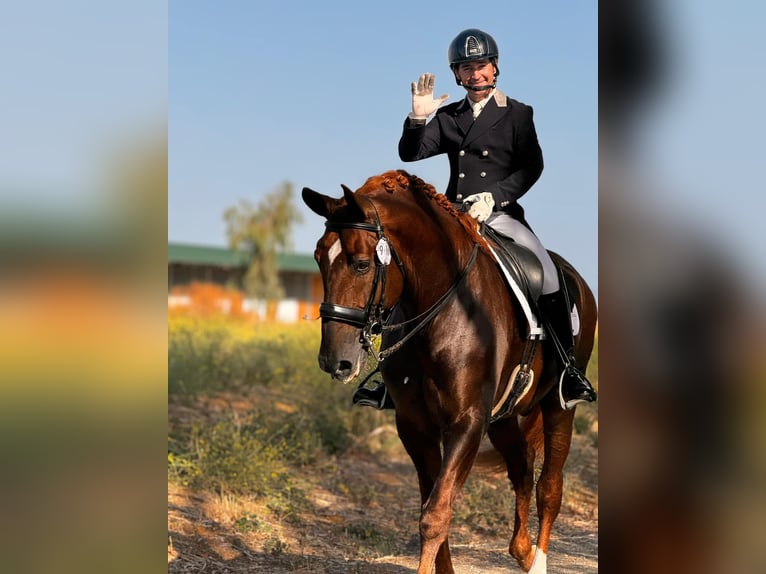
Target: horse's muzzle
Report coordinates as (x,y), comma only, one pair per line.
(342,370)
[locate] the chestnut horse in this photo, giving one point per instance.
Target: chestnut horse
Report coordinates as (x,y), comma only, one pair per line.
(396,251)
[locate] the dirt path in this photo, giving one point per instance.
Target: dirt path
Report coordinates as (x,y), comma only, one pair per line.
(362,518)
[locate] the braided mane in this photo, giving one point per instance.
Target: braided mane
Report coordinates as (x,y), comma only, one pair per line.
(400,181)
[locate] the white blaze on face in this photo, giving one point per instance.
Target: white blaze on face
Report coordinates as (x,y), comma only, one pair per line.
(334,251)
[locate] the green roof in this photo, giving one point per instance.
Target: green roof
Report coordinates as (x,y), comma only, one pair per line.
(225,257)
(297,262)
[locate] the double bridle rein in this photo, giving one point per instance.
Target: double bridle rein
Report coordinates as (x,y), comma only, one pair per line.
(373,318)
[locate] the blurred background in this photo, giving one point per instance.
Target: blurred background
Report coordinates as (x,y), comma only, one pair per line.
(83,336)
(83,292)
(681,260)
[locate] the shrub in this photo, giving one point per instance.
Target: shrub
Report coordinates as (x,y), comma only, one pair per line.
(228,457)
(294,415)
(211,355)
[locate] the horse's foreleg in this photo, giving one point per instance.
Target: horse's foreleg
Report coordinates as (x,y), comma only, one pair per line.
(461,444)
(519,457)
(424,447)
(557,424)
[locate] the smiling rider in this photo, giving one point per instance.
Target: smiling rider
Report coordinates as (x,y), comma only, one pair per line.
(495,158)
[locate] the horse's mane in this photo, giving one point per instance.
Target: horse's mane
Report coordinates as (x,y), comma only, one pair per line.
(400,181)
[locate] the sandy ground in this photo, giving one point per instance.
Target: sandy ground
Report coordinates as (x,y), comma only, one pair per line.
(203,535)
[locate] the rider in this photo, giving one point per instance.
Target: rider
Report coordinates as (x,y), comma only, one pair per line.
(494,157)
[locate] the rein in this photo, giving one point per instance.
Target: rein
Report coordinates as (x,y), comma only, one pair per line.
(371,318)
(429,314)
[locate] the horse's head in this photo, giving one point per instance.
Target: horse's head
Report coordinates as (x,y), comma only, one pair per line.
(353,256)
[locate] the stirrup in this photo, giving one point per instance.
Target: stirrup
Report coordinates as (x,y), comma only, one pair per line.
(372,398)
(587,394)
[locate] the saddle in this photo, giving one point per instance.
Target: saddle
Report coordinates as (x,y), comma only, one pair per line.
(521,263)
(523,272)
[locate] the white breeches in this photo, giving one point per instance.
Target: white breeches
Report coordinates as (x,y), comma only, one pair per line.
(508,226)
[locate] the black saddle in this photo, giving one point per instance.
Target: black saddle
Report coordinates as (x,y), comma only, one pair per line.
(522,264)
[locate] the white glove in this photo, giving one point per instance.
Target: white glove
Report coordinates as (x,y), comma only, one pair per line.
(481,205)
(423,102)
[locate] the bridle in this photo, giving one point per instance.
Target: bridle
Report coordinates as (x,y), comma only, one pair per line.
(373,318)
(368,318)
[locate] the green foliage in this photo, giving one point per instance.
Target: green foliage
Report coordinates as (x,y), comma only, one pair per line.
(298,416)
(210,355)
(260,232)
(248,523)
(228,457)
(275,546)
(196,359)
(253,455)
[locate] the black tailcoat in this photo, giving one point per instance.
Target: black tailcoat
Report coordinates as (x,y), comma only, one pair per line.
(498,152)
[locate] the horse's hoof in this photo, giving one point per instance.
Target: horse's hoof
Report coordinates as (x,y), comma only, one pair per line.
(524,557)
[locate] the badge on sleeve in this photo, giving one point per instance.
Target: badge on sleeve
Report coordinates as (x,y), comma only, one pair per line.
(383,251)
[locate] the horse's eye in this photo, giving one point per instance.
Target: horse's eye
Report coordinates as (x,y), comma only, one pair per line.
(361,267)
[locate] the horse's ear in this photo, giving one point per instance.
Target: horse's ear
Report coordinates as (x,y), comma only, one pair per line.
(319,203)
(352,203)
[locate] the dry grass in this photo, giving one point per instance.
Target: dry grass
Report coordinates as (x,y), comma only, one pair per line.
(354,509)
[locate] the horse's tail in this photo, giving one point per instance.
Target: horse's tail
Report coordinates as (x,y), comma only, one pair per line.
(490,461)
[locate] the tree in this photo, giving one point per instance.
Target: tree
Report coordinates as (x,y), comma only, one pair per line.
(261,232)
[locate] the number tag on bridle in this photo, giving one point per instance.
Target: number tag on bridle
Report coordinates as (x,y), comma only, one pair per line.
(383,251)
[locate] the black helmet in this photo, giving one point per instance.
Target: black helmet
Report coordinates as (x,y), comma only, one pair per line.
(470,45)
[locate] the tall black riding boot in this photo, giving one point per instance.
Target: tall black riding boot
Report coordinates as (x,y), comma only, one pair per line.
(573,386)
(376,398)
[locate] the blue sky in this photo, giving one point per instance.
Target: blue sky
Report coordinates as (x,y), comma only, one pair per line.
(316,93)
(79,80)
(258,93)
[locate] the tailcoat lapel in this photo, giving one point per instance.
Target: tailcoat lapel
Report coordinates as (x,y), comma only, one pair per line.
(464,117)
(493,112)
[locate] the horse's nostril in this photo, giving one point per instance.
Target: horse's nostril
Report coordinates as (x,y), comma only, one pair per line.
(344,367)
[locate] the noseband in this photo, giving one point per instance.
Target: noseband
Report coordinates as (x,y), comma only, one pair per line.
(372,318)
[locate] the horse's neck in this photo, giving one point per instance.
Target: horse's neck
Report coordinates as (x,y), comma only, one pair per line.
(436,253)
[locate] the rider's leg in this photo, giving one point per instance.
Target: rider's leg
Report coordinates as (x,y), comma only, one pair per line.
(521,234)
(556,314)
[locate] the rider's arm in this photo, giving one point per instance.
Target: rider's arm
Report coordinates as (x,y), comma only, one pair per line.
(419,139)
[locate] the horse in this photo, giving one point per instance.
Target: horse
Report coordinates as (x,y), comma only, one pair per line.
(398,259)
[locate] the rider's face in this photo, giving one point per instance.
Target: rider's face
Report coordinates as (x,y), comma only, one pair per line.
(477,73)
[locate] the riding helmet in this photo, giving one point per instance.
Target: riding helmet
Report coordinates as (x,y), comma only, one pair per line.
(473,44)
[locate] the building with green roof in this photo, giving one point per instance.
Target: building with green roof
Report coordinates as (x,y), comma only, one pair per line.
(298,273)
